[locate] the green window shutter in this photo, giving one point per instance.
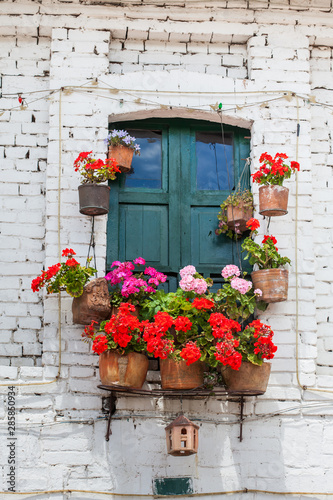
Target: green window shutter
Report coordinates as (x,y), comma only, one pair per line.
(167,210)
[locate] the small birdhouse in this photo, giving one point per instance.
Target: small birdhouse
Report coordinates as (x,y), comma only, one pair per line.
(182,437)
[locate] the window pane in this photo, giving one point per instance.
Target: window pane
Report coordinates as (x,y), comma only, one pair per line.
(215,163)
(146,171)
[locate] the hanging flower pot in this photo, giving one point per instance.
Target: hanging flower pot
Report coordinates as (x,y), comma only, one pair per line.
(123,156)
(235,211)
(273,200)
(94,199)
(177,375)
(121,148)
(237,217)
(272,282)
(249,379)
(93,304)
(127,370)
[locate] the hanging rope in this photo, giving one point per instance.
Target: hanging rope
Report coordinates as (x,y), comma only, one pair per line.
(92,245)
(238,251)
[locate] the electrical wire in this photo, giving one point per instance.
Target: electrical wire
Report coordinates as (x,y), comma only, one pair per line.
(170,415)
(150,495)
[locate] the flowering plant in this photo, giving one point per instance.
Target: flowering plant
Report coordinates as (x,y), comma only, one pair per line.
(253,344)
(237,299)
(121,333)
(122,138)
(67,276)
(186,325)
(266,255)
(274,170)
(192,281)
(95,171)
(233,200)
(133,287)
(178,328)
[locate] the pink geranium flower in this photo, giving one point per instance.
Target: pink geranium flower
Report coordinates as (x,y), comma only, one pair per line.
(242,286)
(230,270)
(187,271)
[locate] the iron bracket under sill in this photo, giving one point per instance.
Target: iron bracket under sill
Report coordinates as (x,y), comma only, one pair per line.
(198,392)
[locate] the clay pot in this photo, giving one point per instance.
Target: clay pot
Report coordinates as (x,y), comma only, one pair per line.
(129,370)
(123,157)
(93,304)
(249,379)
(273,200)
(177,375)
(94,199)
(273,283)
(238,216)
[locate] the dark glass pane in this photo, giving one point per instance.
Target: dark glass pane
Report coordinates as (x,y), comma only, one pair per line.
(215,163)
(146,169)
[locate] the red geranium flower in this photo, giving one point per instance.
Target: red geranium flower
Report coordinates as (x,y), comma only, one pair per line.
(272,238)
(183,324)
(253,224)
(202,303)
(68,251)
(72,262)
(190,353)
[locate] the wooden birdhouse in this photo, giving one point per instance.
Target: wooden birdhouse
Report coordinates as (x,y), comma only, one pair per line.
(182,437)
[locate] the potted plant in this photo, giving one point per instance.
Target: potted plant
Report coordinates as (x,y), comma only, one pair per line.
(235,211)
(237,298)
(120,347)
(270,277)
(239,347)
(91,301)
(186,330)
(94,196)
(68,276)
(175,335)
(122,146)
(130,286)
(273,197)
(249,348)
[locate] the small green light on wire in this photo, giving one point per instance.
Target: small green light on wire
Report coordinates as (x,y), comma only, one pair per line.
(220,105)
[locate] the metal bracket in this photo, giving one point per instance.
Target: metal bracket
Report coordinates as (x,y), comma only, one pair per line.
(241,418)
(112,410)
(175,394)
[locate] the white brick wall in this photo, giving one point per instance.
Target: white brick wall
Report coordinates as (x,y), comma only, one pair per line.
(321,149)
(128,54)
(226,47)
(23,139)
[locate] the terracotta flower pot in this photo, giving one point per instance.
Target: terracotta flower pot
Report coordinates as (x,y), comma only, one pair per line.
(123,157)
(94,199)
(177,375)
(93,304)
(238,216)
(129,370)
(249,379)
(273,283)
(273,200)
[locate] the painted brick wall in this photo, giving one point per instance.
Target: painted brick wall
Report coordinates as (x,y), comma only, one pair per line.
(322,161)
(239,47)
(225,59)
(25,64)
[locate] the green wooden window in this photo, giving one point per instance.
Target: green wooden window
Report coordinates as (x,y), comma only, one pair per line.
(166,209)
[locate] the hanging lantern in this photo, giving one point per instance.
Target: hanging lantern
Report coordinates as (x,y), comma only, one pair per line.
(182,437)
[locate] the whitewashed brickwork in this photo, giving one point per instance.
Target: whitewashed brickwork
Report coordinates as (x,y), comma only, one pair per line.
(208,48)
